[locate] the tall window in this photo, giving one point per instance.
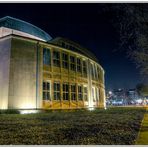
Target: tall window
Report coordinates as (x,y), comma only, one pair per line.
(85,93)
(93,94)
(92,70)
(56,58)
(65,92)
(98,71)
(73,92)
(65,60)
(78,65)
(80,93)
(56,91)
(46,56)
(72,63)
(96,74)
(84,67)
(46,91)
(97,94)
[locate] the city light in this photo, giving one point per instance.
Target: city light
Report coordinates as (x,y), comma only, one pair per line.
(110,92)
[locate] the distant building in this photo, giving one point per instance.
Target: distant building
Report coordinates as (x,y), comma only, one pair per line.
(38,72)
(132,94)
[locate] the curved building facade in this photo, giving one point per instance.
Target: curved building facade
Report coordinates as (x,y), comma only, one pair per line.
(38,72)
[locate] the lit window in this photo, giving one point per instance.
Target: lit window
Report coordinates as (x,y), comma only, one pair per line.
(73,92)
(80,93)
(56,91)
(78,65)
(84,67)
(65,92)
(72,63)
(46,56)
(56,58)
(85,93)
(46,91)
(65,60)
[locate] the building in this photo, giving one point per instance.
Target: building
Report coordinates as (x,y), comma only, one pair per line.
(132,94)
(38,72)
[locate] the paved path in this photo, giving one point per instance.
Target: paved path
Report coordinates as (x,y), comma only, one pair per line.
(143,134)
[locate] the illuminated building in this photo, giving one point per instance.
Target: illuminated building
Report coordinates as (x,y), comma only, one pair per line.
(38,72)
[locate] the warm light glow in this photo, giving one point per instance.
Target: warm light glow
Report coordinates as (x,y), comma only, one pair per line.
(27,105)
(29,111)
(91,108)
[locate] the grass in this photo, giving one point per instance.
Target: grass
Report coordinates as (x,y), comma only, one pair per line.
(114,126)
(143,135)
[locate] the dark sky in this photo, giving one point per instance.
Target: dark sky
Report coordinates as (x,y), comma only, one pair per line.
(87,25)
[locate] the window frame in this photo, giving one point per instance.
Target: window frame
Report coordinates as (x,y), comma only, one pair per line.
(80,93)
(65,91)
(84,67)
(73,93)
(85,94)
(97,93)
(72,63)
(45,56)
(56,58)
(79,64)
(65,61)
(56,91)
(46,90)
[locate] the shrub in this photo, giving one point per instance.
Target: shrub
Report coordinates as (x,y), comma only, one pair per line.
(9,111)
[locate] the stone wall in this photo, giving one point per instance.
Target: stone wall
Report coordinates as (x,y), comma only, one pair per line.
(5,45)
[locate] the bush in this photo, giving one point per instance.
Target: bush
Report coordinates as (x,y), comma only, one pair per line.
(9,111)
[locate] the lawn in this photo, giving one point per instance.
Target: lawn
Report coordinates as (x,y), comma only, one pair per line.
(114,126)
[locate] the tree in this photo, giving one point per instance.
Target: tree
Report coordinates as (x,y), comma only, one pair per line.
(131,20)
(142,89)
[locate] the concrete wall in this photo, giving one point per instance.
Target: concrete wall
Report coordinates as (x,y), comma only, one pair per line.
(5,45)
(22,83)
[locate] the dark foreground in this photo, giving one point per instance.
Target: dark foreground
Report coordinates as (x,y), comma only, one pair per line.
(114,126)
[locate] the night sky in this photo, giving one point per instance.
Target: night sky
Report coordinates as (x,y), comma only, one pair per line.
(87,25)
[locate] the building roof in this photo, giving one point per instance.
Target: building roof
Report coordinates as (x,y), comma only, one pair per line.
(17,24)
(73,46)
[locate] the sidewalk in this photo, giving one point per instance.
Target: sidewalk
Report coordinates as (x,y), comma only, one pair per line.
(143,134)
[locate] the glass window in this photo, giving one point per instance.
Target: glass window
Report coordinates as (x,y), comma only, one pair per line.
(56,58)
(98,71)
(63,44)
(97,94)
(96,74)
(93,94)
(78,65)
(92,71)
(65,60)
(56,91)
(73,92)
(46,90)
(65,92)
(46,56)
(80,93)
(84,67)
(72,63)
(85,93)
